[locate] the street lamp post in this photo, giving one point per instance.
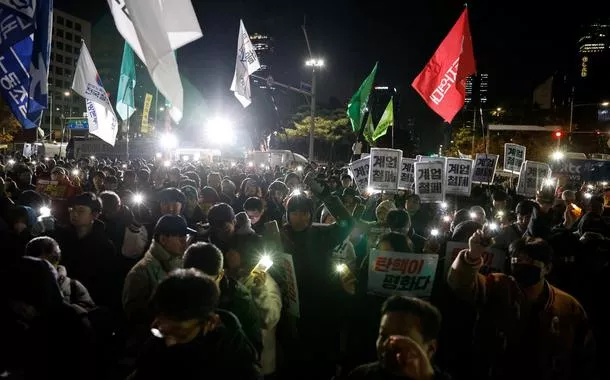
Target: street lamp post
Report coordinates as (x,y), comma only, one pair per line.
(313,63)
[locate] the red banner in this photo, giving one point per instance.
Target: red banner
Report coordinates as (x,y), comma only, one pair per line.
(442,82)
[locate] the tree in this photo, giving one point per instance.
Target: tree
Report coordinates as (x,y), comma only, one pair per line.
(332,127)
(9,126)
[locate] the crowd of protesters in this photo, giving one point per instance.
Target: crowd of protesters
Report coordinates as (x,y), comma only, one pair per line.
(151,270)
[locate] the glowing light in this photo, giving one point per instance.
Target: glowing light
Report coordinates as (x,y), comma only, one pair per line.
(186,158)
(138,198)
(46,158)
(341,268)
(124,166)
(446,219)
(588,195)
(590,187)
(493,226)
(196,156)
(169,141)
(434,232)
(557,155)
(500,213)
(233,164)
(473,215)
(44,211)
(371,190)
(250,164)
(92,157)
(550,182)
(265,263)
(167,164)
(604,183)
(299,168)
(296,192)
(33,162)
(444,205)
(158,155)
(11,162)
(262,166)
(220,131)
(75,172)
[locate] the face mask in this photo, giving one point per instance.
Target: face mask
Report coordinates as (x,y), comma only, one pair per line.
(526,275)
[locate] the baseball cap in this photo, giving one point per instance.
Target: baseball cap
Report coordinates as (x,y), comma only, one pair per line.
(172,225)
(87,199)
(219,214)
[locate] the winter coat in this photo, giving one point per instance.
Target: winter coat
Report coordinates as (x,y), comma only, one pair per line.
(553,341)
(268,300)
(73,291)
(93,261)
(143,279)
(224,353)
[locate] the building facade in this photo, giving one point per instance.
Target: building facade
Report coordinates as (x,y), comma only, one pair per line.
(68,32)
(264,48)
(477,87)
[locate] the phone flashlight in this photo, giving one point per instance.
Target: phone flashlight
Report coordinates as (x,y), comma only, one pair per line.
(447,219)
(44,211)
(434,232)
(263,264)
(138,198)
(75,172)
(341,268)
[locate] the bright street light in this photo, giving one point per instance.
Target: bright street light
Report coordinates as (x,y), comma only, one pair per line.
(605,104)
(169,141)
(557,156)
(67,93)
(499,109)
(314,62)
(219,131)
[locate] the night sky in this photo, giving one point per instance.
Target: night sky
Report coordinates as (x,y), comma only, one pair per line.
(518,43)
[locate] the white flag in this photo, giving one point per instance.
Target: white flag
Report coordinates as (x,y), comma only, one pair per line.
(245,64)
(154,29)
(100,114)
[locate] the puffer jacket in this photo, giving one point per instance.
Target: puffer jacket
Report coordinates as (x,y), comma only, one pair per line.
(73,291)
(550,339)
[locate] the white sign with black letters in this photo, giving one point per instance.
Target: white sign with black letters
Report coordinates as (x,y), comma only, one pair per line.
(458,174)
(429,181)
(384,170)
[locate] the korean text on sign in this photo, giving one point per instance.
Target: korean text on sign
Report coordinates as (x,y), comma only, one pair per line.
(429,181)
(458,172)
(360,173)
(407,179)
(484,168)
(494,260)
(385,168)
(290,289)
(532,177)
(409,274)
(514,155)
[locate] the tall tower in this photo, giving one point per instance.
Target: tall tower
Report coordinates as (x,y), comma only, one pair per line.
(477,88)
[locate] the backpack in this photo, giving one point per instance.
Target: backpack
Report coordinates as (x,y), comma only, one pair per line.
(135,241)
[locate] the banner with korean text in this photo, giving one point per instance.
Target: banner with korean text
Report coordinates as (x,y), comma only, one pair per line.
(484,168)
(399,273)
(458,174)
(407,171)
(145,129)
(360,173)
(384,168)
(514,155)
(532,177)
(494,260)
(290,292)
(429,181)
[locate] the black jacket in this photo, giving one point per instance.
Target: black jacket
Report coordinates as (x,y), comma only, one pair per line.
(223,353)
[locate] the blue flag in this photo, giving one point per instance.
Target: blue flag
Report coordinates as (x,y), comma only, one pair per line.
(25,47)
(127,84)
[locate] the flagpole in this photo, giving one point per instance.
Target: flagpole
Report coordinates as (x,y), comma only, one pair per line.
(127,140)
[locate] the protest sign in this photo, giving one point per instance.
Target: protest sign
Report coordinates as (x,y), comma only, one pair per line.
(384,170)
(531,177)
(429,181)
(291,291)
(407,274)
(51,188)
(407,179)
(514,155)
(458,172)
(360,173)
(484,168)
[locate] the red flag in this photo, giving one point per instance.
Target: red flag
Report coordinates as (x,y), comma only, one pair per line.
(442,82)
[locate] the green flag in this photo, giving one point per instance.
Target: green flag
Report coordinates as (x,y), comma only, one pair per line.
(127,84)
(386,120)
(357,105)
(369,129)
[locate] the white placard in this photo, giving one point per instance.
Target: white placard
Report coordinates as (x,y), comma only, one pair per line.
(429,181)
(384,170)
(407,170)
(484,168)
(514,155)
(27,150)
(360,173)
(531,177)
(458,176)
(290,292)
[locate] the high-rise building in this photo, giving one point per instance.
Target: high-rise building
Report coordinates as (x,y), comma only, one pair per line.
(477,88)
(68,32)
(264,47)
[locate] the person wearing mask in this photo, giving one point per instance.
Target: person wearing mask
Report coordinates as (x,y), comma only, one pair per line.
(406,343)
(234,296)
(163,256)
(192,337)
(526,328)
(88,254)
(73,291)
